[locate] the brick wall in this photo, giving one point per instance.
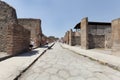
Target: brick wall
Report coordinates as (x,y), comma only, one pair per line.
(7,16)
(95,34)
(74,38)
(77,38)
(34,25)
(96,41)
(99,36)
(18,39)
(13,37)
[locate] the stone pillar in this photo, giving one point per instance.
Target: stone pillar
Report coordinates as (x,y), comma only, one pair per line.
(116,35)
(84,33)
(71,37)
(67,37)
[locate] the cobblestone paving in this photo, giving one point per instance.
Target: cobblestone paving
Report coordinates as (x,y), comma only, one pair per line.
(61,64)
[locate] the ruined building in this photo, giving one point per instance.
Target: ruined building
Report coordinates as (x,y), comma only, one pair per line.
(13,37)
(72,37)
(34,26)
(16,34)
(52,39)
(95,35)
(91,35)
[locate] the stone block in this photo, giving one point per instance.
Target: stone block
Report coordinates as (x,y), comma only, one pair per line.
(116,35)
(84,33)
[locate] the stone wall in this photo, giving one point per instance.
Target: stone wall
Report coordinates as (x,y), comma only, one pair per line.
(84,33)
(44,39)
(18,39)
(7,16)
(108,37)
(95,34)
(99,36)
(66,37)
(74,38)
(34,25)
(77,38)
(116,35)
(13,37)
(96,41)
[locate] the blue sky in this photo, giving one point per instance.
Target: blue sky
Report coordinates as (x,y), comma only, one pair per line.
(58,16)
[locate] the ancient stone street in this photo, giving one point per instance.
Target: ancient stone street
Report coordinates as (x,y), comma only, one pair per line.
(62,64)
(54,40)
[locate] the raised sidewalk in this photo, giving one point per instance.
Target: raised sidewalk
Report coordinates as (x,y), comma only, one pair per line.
(106,59)
(12,67)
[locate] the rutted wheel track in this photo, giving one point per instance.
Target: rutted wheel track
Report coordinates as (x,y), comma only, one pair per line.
(16,78)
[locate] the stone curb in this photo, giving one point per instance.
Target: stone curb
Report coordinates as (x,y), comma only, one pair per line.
(5,57)
(105,59)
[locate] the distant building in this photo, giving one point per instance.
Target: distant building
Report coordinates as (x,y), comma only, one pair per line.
(95,34)
(90,35)
(52,39)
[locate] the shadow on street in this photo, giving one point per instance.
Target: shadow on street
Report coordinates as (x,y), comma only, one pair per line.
(28,53)
(46,46)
